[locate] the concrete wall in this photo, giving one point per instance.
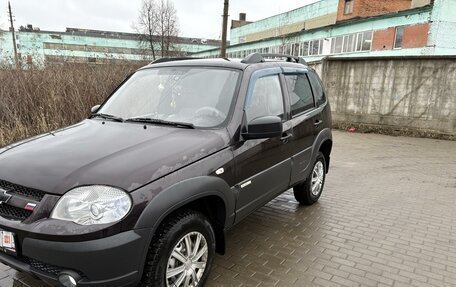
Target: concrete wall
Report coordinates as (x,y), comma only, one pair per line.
(443,27)
(403,93)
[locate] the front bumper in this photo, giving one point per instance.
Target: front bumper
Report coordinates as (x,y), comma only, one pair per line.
(112,261)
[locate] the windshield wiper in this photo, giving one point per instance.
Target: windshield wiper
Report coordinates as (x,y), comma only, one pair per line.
(161,122)
(107,117)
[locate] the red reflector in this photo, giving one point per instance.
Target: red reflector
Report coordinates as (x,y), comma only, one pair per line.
(30,206)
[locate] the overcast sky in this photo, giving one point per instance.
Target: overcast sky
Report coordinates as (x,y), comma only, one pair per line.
(200,18)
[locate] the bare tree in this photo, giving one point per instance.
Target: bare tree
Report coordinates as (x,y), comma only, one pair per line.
(158,23)
(147,24)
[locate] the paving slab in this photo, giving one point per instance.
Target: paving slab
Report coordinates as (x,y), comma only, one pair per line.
(387,217)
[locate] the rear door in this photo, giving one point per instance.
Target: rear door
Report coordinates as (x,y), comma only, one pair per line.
(263,166)
(305,120)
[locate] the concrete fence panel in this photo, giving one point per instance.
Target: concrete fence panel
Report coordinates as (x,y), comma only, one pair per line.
(401,93)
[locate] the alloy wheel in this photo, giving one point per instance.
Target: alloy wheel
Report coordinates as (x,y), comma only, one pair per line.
(187,262)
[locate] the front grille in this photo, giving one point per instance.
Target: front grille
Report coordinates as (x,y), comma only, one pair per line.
(17,213)
(12,212)
(22,190)
(48,268)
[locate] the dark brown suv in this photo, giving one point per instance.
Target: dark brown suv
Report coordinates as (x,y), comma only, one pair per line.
(143,191)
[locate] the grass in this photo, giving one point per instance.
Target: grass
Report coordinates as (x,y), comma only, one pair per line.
(36,101)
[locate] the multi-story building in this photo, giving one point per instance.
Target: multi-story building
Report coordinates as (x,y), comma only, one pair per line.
(82,46)
(350,28)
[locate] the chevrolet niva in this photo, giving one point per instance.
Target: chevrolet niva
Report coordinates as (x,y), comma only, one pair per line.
(142,192)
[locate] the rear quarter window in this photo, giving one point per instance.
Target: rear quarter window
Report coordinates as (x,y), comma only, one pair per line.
(317,87)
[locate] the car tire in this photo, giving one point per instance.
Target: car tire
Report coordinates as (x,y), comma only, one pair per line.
(308,192)
(169,248)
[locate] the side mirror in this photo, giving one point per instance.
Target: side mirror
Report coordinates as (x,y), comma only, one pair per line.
(263,128)
(95,109)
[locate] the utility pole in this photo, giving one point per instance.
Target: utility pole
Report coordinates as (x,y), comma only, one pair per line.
(225,28)
(10,14)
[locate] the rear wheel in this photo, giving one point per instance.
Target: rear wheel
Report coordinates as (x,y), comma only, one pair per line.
(181,252)
(308,192)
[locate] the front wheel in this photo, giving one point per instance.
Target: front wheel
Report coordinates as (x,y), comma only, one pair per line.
(308,192)
(181,252)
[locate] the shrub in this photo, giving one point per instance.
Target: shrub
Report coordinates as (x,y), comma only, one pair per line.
(36,101)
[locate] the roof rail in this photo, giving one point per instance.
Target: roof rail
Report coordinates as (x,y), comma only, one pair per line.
(164,60)
(253,58)
(256,58)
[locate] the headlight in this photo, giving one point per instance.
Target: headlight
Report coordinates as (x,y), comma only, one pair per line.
(95,204)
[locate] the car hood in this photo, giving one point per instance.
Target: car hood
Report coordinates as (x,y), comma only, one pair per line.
(125,155)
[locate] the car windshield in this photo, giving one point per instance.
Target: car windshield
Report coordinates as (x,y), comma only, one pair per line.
(201,97)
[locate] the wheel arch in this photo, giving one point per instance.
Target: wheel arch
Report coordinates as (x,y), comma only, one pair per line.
(209,195)
(325,149)
(323,143)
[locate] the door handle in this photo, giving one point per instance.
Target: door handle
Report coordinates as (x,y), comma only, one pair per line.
(285,137)
(317,123)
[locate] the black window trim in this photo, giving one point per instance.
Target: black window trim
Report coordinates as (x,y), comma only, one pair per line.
(323,89)
(266,74)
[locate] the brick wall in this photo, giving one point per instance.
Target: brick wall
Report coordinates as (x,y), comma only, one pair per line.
(368,8)
(416,36)
(383,39)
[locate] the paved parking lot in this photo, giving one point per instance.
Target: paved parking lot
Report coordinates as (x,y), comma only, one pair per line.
(387,217)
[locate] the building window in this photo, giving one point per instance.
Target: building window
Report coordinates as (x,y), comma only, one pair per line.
(367,41)
(348,6)
(315,47)
(338,47)
(296,49)
(351,43)
(398,38)
(304,49)
(359,42)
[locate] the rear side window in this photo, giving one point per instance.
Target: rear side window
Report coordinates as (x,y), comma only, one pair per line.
(317,86)
(300,91)
(266,99)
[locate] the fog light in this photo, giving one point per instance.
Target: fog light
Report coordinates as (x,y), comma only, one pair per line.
(69,278)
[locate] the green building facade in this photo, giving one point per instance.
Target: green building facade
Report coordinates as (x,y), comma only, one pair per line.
(82,46)
(315,31)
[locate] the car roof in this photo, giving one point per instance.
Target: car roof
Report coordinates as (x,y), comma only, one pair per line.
(219,62)
(240,64)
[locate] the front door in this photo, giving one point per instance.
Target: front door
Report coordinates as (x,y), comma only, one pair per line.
(263,166)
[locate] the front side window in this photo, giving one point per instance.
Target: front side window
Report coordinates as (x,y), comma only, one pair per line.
(300,92)
(199,96)
(266,99)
